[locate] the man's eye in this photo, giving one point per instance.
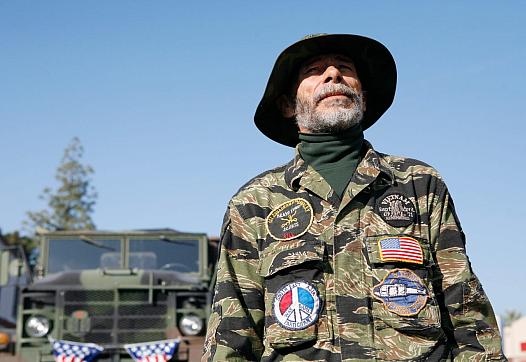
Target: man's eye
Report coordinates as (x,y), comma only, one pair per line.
(311,70)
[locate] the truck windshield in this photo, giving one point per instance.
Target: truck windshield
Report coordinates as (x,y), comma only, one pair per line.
(78,254)
(177,255)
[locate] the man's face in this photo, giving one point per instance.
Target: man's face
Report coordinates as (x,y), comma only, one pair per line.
(329,95)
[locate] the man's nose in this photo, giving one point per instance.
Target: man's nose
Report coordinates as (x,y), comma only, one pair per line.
(332,74)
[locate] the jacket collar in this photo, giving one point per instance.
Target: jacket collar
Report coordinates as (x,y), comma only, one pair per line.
(372,166)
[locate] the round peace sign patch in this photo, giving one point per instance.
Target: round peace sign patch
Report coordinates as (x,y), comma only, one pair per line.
(296,305)
(290,219)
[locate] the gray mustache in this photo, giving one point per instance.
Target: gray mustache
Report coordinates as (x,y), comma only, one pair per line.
(332,88)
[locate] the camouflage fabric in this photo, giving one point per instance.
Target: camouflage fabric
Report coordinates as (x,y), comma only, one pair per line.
(341,256)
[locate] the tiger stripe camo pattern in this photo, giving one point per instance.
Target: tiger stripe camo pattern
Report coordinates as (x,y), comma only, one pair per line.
(369,309)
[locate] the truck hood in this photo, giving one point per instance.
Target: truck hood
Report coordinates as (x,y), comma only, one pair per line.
(103,279)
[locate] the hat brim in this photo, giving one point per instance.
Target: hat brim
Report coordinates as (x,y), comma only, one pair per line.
(376,70)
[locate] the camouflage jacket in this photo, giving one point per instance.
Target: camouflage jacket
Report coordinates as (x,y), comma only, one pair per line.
(381,274)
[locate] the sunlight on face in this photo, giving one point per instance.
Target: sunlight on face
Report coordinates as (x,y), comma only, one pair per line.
(329,95)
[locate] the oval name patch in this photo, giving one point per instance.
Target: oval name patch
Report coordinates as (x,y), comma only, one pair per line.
(290,219)
(402,292)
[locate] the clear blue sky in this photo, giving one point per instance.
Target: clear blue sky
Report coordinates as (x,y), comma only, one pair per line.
(162,96)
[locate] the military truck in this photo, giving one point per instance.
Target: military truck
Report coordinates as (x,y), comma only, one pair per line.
(13,258)
(116,288)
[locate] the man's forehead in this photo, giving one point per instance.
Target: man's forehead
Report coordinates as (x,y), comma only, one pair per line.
(327,57)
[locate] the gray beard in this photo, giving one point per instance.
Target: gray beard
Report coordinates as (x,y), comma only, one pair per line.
(340,118)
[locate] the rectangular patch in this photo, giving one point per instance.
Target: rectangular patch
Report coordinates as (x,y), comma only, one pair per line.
(400,248)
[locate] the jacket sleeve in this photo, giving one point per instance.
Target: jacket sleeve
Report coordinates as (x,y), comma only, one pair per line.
(468,317)
(235,327)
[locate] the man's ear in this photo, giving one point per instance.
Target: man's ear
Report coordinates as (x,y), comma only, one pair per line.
(364,101)
(286,107)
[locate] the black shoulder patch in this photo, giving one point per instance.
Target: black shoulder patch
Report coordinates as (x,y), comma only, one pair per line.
(396,209)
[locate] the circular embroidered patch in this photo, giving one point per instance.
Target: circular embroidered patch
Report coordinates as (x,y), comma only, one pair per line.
(296,305)
(290,219)
(402,292)
(396,210)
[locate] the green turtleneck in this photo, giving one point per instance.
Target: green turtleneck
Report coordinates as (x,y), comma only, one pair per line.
(333,156)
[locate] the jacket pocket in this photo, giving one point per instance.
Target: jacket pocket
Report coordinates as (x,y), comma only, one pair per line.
(294,293)
(402,290)
(404,305)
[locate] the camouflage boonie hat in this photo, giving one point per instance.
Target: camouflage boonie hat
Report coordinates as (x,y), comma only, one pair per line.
(374,63)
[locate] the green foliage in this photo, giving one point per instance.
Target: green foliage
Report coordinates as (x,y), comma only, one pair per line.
(510,316)
(15,238)
(70,206)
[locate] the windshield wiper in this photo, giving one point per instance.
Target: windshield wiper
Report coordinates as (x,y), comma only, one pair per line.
(178,242)
(95,243)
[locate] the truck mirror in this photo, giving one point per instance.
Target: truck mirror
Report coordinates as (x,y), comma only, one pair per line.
(4,267)
(10,266)
(17,267)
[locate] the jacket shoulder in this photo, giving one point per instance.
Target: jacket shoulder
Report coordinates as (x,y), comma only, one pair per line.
(263,182)
(406,166)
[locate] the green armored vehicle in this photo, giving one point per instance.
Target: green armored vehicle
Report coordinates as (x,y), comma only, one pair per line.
(17,277)
(116,288)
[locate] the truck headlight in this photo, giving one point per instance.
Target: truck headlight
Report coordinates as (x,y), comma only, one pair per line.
(37,326)
(191,325)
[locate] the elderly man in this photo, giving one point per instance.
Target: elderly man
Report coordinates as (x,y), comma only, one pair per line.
(344,253)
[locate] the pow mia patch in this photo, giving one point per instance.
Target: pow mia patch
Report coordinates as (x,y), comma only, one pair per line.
(290,219)
(296,305)
(402,292)
(397,210)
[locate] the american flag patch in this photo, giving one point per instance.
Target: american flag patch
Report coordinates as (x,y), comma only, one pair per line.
(401,248)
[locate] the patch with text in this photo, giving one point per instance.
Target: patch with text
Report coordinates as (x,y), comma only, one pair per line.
(296,305)
(290,219)
(396,209)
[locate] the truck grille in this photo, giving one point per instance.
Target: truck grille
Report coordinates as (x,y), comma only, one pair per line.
(119,317)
